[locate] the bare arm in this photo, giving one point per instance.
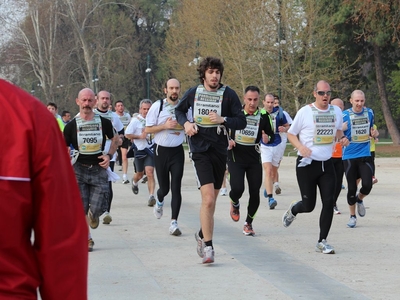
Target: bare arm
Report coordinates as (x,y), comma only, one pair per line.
(169,124)
(136,136)
(341,138)
(294,140)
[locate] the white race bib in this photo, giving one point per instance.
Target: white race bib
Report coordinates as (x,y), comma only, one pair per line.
(206,102)
(89,135)
(325,124)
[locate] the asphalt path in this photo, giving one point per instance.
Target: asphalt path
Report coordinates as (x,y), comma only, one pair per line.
(135,257)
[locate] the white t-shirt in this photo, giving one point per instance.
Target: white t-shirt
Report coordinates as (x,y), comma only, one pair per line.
(284,134)
(136,127)
(169,137)
(125,119)
(303,125)
(116,122)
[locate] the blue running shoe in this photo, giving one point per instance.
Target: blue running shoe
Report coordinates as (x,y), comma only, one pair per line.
(272,203)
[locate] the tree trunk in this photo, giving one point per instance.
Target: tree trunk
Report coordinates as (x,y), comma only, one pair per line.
(391,125)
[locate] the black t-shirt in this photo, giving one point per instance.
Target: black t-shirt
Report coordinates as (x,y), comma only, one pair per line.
(248,154)
(71,138)
(208,137)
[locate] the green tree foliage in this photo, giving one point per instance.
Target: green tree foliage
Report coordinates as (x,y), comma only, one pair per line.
(370,28)
(257,40)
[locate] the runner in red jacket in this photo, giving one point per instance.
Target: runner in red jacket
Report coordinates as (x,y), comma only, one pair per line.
(43,231)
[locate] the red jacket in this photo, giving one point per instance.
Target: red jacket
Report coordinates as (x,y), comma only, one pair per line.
(43,231)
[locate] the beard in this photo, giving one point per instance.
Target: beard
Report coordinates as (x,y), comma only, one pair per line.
(173,97)
(213,85)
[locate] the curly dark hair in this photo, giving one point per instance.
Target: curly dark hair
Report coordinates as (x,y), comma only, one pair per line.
(209,63)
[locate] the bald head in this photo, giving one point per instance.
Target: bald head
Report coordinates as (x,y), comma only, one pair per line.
(172,81)
(357,93)
(86,92)
(357,100)
(86,101)
(338,102)
(172,89)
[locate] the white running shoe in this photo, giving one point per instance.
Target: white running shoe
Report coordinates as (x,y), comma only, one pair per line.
(352,222)
(324,247)
(223,192)
(288,216)
(158,209)
(200,244)
(208,255)
(174,229)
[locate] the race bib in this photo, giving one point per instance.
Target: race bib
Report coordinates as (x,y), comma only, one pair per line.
(248,135)
(89,135)
(206,102)
(325,123)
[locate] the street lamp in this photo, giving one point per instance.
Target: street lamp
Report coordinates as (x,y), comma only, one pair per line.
(281,41)
(195,61)
(33,87)
(59,87)
(95,80)
(148,70)
(197,58)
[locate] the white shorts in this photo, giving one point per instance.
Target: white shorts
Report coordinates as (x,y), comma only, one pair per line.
(271,154)
(282,147)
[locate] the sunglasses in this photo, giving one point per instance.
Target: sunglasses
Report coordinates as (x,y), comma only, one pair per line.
(322,93)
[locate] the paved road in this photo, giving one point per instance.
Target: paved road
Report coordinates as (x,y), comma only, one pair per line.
(136,258)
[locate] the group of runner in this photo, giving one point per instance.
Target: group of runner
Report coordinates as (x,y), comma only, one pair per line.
(223,134)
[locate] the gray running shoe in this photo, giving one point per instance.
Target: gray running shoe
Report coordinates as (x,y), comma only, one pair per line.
(151,201)
(174,229)
(361,208)
(208,255)
(144,180)
(288,217)
(324,247)
(278,190)
(200,244)
(158,209)
(352,222)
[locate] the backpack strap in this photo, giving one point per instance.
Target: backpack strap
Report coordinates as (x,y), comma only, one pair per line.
(161,106)
(280,114)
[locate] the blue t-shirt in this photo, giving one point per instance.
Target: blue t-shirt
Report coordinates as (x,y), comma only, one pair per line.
(358,132)
(280,120)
